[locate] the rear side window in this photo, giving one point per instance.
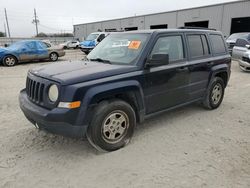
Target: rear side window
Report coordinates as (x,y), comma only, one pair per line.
(198,46)
(218,44)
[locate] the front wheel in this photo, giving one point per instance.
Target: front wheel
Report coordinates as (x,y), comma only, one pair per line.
(215,94)
(9,61)
(112,125)
(53,56)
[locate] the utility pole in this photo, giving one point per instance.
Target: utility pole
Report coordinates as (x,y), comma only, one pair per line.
(5,32)
(6,17)
(35,21)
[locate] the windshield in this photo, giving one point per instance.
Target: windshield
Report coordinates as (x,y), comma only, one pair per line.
(238,35)
(119,48)
(92,36)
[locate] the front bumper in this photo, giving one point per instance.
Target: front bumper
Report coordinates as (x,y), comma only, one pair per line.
(245,66)
(54,121)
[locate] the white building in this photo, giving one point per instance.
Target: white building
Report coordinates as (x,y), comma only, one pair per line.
(227,17)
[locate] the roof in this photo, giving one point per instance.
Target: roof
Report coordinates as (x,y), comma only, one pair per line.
(168,31)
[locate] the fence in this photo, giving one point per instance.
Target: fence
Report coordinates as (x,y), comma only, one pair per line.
(53,40)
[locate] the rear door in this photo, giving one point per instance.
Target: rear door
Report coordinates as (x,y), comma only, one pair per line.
(28,51)
(199,65)
(166,86)
(42,50)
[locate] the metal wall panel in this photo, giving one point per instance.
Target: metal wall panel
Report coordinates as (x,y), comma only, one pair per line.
(235,10)
(212,14)
(159,19)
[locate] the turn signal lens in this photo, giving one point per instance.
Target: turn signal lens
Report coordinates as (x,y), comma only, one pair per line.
(70,105)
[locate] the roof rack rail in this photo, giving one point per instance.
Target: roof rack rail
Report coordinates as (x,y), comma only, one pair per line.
(201,28)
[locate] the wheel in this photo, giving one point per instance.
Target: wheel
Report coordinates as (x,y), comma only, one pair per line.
(77,47)
(53,56)
(112,125)
(9,61)
(215,94)
(65,47)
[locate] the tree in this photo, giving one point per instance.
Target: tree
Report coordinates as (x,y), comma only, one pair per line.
(2,34)
(42,35)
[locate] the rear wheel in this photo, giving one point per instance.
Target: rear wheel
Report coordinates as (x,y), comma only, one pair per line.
(214,94)
(53,56)
(112,125)
(9,61)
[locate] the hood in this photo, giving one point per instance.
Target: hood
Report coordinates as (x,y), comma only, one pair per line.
(88,43)
(79,71)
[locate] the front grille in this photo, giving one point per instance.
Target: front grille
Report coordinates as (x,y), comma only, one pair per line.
(246,59)
(35,90)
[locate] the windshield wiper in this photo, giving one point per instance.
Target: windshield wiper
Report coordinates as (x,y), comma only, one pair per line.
(101,60)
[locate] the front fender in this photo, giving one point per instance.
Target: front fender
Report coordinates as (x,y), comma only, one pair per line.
(110,89)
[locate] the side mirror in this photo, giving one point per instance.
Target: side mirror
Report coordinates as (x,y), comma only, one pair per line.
(158,60)
(248,46)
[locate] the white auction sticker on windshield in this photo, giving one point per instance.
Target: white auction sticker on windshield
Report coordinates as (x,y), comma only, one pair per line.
(121,44)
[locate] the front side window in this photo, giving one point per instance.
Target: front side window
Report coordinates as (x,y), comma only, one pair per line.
(119,48)
(171,45)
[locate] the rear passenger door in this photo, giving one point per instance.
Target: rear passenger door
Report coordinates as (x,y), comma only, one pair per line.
(199,65)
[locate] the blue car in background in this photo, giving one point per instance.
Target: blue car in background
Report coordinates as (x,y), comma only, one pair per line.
(91,41)
(29,50)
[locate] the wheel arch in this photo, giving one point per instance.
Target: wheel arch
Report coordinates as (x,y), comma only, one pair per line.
(222,71)
(128,91)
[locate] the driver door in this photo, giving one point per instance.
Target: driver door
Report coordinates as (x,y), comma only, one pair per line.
(167,85)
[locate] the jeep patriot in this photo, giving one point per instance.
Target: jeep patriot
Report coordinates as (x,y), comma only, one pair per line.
(126,79)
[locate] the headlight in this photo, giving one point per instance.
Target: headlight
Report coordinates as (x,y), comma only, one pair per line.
(53,93)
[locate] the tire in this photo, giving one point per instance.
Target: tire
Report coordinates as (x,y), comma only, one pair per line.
(9,61)
(215,94)
(77,47)
(65,47)
(53,56)
(112,125)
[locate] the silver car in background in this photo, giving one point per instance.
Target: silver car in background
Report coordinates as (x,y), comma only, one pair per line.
(241,53)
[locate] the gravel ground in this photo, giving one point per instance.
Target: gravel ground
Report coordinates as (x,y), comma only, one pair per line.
(189,147)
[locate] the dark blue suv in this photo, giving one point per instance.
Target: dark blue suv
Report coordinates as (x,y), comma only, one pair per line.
(127,78)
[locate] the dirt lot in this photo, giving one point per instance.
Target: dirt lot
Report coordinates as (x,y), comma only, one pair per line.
(189,147)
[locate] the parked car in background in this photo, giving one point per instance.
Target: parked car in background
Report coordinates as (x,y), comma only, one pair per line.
(241,53)
(92,41)
(126,79)
(70,44)
(29,50)
(231,40)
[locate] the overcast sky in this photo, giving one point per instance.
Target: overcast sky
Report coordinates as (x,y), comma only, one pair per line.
(59,16)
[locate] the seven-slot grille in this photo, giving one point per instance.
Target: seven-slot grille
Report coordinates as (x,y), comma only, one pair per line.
(35,90)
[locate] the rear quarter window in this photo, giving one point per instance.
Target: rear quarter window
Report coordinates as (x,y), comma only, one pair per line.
(218,44)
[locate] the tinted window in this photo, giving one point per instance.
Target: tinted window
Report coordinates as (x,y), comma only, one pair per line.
(195,46)
(171,45)
(218,44)
(198,45)
(205,45)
